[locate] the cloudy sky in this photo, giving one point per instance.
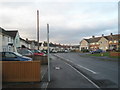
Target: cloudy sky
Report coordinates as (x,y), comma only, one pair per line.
(70,20)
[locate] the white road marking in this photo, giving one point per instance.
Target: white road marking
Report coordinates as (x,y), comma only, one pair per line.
(84,76)
(78,65)
(87,69)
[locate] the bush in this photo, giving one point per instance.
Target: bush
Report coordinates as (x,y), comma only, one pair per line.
(84,50)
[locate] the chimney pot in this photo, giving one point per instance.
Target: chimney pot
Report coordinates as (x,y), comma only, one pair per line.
(111,33)
(93,36)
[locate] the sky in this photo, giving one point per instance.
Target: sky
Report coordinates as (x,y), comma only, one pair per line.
(70,20)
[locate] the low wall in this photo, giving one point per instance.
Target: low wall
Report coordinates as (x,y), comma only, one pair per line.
(114,53)
(21,71)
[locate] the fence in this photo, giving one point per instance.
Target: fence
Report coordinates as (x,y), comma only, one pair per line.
(42,59)
(21,71)
(114,53)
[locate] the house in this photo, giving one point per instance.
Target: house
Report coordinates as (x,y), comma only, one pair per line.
(84,44)
(113,41)
(31,44)
(0,40)
(75,48)
(24,43)
(14,34)
(103,43)
(109,42)
(10,40)
(93,43)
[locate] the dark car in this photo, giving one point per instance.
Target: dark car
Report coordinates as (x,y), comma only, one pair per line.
(96,51)
(13,56)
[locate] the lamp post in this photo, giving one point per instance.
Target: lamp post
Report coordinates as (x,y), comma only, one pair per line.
(38,29)
(48,52)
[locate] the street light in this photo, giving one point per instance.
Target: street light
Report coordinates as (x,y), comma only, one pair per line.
(48,52)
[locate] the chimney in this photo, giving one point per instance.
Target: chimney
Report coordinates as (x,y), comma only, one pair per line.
(111,34)
(102,35)
(93,36)
(26,39)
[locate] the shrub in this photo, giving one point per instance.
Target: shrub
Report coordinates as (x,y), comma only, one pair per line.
(84,50)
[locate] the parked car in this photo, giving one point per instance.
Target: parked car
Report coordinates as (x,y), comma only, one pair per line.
(37,52)
(54,51)
(13,56)
(96,51)
(66,51)
(25,52)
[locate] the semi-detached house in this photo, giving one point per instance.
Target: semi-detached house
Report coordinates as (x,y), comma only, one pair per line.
(10,40)
(104,42)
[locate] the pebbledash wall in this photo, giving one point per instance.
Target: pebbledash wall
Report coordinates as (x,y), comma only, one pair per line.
(0,62)
(0,41)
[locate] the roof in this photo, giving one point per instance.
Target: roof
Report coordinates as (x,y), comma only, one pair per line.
(113,37)
(3,31)
(33,41)
(9,33)
(109,37)
(91,40)
(12,33)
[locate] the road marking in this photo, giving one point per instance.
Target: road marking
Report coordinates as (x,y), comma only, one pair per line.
(77,64)
(87,69)
(84,76)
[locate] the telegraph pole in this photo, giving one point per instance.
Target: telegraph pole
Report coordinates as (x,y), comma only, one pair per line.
(48,52)
(38,29)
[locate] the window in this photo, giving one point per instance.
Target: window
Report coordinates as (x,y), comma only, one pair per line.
(10,55)
(16,40)
(110,42)
(8,39)
(3,37)
(115,41)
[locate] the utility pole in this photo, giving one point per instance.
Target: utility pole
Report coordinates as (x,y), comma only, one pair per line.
(48,52)
(38,29)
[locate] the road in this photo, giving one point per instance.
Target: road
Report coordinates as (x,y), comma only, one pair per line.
(104,73)
(63,75)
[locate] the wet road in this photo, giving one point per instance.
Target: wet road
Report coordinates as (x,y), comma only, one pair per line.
(64,75)
(103,71)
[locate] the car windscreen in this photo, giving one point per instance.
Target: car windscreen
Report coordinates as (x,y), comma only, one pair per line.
(18,54)
(37,51)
